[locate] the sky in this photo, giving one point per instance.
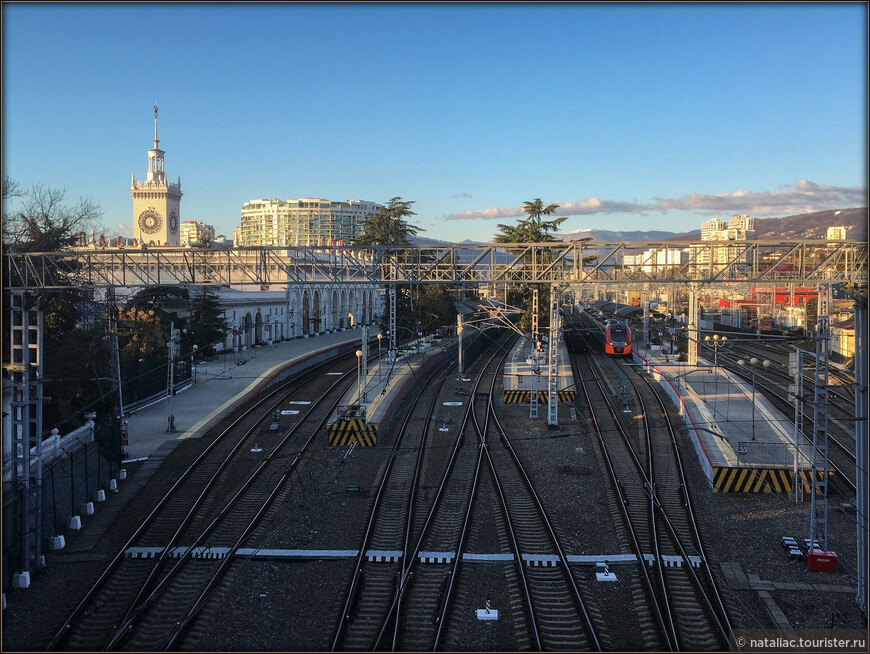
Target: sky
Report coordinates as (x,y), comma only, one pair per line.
(629,116)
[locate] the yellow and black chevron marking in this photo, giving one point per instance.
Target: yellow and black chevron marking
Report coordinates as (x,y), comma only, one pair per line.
(759,480)
(354,430)
(522,397)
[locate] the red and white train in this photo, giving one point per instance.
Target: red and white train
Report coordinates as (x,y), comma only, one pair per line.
(617,339)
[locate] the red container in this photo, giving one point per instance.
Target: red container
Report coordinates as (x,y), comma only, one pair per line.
(820,561)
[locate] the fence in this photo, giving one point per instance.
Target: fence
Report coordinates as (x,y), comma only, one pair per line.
(75,468)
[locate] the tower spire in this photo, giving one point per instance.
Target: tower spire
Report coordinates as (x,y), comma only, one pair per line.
(155,127)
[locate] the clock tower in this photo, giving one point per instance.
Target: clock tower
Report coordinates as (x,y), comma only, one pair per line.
(156,202)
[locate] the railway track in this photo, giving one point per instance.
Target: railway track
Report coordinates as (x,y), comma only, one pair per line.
(411,604)
(651,485)
(159,578)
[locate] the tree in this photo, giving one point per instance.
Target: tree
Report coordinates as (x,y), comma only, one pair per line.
(532,229)
(388,225)
(37,219)
(43,223)
(207,322)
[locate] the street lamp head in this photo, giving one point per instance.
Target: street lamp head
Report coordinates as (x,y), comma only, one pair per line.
(715,337)
(753,361)
(380,336)
(741,362)
(765,363)
(707,338)
(358,354)
(195,347)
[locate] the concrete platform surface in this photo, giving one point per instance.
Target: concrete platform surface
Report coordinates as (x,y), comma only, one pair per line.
(745,433)
(219,384)
(385,377)
(734,429)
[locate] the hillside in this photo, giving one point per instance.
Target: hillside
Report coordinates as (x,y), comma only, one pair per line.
(797,227)
(608,236)
(804,226)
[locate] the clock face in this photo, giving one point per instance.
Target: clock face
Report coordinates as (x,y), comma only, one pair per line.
(173,222)
(150,221)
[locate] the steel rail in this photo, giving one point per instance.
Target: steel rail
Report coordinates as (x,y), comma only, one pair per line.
(674,534)
(136,612)
(460,547)
(649,488)
(623,504)
(667,614)
(64,630)
(201,601)
(518,555)
(696,531)
(374,512)
(552,532)
(436,503)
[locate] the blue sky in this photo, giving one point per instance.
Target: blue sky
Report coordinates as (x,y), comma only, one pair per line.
(630,116)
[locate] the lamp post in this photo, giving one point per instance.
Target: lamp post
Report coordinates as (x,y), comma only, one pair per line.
(752,362)
(715,344)
(380,336)
(192,366)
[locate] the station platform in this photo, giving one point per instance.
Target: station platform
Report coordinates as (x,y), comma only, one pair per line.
(367,406)
(520,377)
(742,447)
(221,385)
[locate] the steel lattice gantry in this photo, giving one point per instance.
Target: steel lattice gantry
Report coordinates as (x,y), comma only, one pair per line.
(705,262)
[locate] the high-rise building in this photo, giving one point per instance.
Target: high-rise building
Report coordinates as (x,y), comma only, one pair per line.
(837,233)
(193,232)
(306,221)
(156,202)
(739,228)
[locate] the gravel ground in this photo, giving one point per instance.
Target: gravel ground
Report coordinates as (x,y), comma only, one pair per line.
(744,528)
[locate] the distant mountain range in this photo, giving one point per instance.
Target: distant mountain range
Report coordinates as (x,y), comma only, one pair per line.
(797,227)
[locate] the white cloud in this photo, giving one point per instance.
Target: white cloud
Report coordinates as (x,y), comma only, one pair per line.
(124,229)
(802,197)
(487,214)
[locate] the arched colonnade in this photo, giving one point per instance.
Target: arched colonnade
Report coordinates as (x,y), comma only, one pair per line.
(304,311)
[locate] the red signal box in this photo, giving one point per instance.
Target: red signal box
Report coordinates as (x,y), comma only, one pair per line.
(820,561)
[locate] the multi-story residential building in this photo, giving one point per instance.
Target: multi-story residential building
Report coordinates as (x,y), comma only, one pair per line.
(837,233)
(306,221)
(193,232)
(739,228)
(657,260)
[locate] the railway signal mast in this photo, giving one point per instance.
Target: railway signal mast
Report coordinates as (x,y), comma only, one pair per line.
(819,486)
(553,361)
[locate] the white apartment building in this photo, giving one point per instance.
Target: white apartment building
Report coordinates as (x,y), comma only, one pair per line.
(305,222)
(739,228)
(193,232)
(837,233)
(656,260)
